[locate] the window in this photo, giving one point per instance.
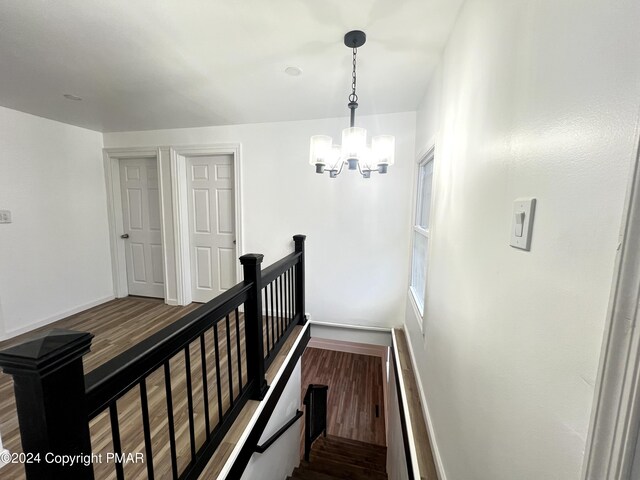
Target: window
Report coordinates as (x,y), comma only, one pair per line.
(420,251)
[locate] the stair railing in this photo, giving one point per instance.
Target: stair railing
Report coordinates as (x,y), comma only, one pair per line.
(315,419)
(55,400)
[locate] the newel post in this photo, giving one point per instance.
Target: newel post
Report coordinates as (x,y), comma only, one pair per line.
(299,247)
(253,324)
(48,379)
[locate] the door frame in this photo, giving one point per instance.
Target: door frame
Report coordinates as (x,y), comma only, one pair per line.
(111,159)
(179,201)
(615,417)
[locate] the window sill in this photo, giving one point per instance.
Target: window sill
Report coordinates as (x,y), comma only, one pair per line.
(416,309)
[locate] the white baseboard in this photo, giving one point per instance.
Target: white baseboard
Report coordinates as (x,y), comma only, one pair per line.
(425,411)
(350,326)
(349,347)
(59,316)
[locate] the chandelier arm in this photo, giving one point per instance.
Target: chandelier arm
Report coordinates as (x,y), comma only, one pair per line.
(362,171)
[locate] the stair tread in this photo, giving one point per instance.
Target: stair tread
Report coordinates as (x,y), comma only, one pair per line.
(356,452)
(379,466)
(350,441)
(338,458)
(304,474)
(346,471)
(329,448)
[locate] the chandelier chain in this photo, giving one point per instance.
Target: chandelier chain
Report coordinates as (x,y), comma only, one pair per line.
(353,97)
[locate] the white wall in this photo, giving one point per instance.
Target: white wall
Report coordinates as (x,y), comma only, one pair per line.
(532,99)
(357,234)
(284,455)
(55,255)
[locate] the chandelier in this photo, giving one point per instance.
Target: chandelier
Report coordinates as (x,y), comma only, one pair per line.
(354,150)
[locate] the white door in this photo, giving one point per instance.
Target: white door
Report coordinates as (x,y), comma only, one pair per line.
(211,225)
(142,235)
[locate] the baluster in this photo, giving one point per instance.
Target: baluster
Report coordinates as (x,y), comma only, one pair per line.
(229,362)
(293,292)
(172,430)
(289,295)
(218,382)
(280,282)
(146,428)
(273,321)
(115,435)
(205,388)
(286,298)
(192,432)
(266,320)
(239,352)
(300,284)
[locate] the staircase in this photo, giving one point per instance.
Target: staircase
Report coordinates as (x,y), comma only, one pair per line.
(336,458)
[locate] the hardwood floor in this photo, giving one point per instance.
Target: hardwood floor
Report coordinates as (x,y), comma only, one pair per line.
(117,325)
(355,388)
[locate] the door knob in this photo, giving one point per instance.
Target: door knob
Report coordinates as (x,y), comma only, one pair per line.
(126,235)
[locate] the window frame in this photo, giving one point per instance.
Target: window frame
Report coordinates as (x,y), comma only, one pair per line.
(428,156)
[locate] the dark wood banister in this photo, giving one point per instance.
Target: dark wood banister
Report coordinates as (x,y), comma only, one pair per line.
(114,377)
(270,273)
(315,402)
(56,401)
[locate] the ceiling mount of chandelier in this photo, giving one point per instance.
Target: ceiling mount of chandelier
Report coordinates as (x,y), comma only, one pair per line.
(354,151)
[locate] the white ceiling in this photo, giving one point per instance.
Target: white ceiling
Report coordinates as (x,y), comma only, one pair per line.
(149,64)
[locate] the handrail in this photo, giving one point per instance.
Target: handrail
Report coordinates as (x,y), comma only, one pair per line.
(114,377)
(315,402)
(248,447)
(413,469)
(263,448)
(56,401)
(270,273)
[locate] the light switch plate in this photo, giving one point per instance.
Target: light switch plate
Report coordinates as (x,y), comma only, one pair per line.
(528,207)
(5,216)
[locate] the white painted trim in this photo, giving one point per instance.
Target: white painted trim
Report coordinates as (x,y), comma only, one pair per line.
(350,326)
(166,232)
(405,407)
(426,155)
(416,309)
(54,318)
(111,159)
(615,417)
(181,214)
(427,416)
(180,228)
(254,418)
